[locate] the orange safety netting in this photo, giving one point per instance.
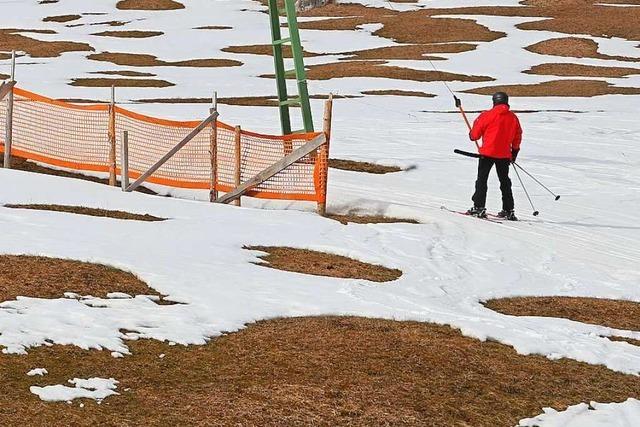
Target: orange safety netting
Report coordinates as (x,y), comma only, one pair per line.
(77,137)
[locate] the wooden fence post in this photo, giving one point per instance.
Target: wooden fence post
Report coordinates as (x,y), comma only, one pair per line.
(238,167)
(9,119)
(323,156)
(213,151)
(112,138)
(124,161)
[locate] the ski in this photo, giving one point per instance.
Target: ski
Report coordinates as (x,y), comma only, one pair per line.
(490,217)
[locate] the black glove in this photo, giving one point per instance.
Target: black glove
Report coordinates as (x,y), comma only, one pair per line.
(514,155)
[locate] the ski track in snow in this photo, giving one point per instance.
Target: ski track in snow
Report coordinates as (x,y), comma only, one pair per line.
(586,244)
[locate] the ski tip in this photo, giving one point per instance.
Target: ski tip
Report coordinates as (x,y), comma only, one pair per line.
(536,213)
(557,198)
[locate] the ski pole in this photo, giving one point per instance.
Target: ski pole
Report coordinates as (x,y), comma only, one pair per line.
(541,184)
(464,116)
(535,212)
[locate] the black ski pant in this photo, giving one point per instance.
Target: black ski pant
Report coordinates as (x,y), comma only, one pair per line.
(502,167)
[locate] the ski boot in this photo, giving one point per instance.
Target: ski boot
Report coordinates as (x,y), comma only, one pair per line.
(477,212)
(508,215)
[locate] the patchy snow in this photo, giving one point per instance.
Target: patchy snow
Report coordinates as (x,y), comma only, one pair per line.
(625,414)
(586,244)
(97,389)
(37,371)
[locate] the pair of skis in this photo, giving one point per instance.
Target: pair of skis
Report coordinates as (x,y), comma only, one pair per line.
(490,217)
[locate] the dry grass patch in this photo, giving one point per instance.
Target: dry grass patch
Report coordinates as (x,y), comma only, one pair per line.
(118,82)
(214,27)
(323,371)
(396,92)
(368,219)
(10,39)
(380,70)
(265,49)
(126,73)
(573,47)
(29,166)
(41,277)
(129,34)
(81,210)
(565,88)
(149,5)
(62,18)
(410,51)
(366,167)
(612,313)
(578,70)
(323,264)
(143,60)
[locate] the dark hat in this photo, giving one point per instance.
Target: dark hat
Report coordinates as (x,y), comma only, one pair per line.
(500,98)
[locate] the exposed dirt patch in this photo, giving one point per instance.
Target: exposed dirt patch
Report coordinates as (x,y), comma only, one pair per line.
(11,40)
(323,371)
(129,34)
(323,264)
(380,70)
(586,17)
(126,73)
(573,47)
(143,60)
(577,88)
(612,313)
(578,70)
(396,92)
(81,210)
(265,49)
(149,5)
(410,51)
(41,277)
(355,166)
(4,76)
(108,82)
(214,27)
(368,219)
(28,166)
(627,340)
(253,101)
(62,18)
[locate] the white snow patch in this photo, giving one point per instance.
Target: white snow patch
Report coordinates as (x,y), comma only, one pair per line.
(625,414)
(93,388)
(37,371)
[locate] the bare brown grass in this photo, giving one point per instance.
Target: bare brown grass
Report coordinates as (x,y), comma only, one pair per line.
(368,219)
(129,34)
(264,49)
(144,60)
(410,51)
(28,166)
(574,47)
(149,5)
(366,167)
(62,18)
(41,277)
(578,70)
(323,371)
(378,69)
(214,27)
(397,92)
(11,40)
(120,82)
(566,88)
(323,264)
(82,210)
(126,73)
(612,313)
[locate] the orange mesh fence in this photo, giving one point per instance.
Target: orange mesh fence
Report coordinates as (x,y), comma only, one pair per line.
(77,137)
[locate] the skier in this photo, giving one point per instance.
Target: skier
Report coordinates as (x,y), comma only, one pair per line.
(501,135)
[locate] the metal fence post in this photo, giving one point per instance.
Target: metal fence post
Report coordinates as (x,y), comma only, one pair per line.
(124,160)
(213,150)
(238,162)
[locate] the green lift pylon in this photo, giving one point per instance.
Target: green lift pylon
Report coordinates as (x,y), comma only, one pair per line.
(293,40)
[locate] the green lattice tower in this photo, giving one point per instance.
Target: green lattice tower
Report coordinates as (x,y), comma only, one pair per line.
(293,40)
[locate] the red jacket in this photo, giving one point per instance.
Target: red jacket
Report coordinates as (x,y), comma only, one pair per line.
(500,131)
